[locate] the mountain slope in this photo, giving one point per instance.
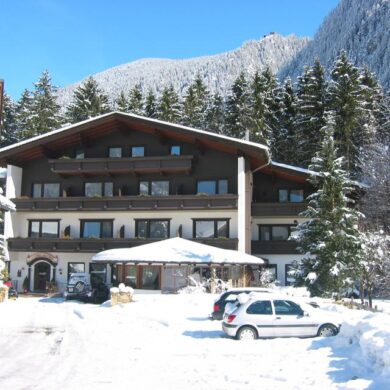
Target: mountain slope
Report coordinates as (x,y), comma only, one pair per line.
(219,71)
(361,27)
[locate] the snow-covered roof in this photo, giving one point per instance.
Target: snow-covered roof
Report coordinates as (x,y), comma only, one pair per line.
(293,168)
(64,129)
(176,251)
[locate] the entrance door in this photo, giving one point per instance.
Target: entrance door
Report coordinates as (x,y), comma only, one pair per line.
(150,277)
(41,276)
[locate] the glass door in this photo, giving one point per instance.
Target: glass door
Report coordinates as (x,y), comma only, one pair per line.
(151,277)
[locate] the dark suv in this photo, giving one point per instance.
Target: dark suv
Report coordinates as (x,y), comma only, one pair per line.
(80,287)
(231,297)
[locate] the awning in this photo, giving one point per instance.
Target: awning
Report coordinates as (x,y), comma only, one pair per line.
(176,251)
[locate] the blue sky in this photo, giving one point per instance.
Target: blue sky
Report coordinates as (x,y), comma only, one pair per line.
(76,38)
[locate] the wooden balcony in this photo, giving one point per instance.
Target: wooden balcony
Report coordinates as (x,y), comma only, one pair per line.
(121,203)
(274,247)
(89,245)
(121,166)
(278,209)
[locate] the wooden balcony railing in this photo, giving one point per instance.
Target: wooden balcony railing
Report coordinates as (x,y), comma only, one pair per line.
(278,209)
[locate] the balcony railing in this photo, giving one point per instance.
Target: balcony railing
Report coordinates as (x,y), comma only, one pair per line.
(118,166)
(121,203)
(274,247)
(90,245)
(277,209)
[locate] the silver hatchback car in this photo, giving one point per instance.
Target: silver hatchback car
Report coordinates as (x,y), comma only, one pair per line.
(276,317)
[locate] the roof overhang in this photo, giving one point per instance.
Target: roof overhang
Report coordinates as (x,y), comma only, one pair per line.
(84,133)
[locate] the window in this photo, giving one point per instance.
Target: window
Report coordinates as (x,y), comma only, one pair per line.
(99,189)
(289,277)
(137,151)
(115,152)
(156,188)
(46,229)
(152,228)
(75,268)
(96,228)
(46,190)
(287,308)
(275,233)
(293,196)
(79,153)
(98,273)
(211,228)
(175,150)
(269,272)
(212,187)
(260,307)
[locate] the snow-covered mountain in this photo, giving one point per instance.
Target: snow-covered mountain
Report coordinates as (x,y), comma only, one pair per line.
(361,27)
(218,71)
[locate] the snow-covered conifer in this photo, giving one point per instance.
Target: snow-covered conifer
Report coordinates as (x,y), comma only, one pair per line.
(329,239)
(168,108)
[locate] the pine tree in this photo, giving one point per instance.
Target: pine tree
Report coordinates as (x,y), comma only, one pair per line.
(345,100)
(45,112)
(261,130)
(215,116)
(168,108)
(88,101)
(9,130)
(285,140)
(136,100)
(150,110)
(329,239)
(238,118)
(311,112)
(23,115)
(122,103)
(195,105)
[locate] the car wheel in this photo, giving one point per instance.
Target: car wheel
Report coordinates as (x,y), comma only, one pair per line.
(247,333)
(327,330)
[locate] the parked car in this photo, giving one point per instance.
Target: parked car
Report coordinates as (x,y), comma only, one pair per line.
(79,287)
(271,316)
(230,297)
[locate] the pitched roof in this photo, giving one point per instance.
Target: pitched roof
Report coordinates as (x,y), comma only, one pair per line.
(105,124)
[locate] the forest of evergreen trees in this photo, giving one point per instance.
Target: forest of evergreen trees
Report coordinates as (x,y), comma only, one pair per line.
(286,116)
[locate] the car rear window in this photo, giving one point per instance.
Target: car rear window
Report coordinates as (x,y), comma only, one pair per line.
(260,307)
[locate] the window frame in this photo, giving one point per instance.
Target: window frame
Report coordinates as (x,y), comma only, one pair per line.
(137,146)
(150,187)
(286,268)
(102,183)
(289,194)
(174,146)
(217,188)
(290,230)
(42,184)
(30,221)
(75,262)
(215,220)
(148,220)
(114,147)
(83,221)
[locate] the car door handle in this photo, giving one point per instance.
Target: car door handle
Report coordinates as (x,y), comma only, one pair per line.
(278,318)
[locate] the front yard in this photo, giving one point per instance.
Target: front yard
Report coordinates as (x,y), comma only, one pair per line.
(167,342)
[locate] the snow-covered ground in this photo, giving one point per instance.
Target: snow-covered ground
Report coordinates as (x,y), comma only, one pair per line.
(167,342)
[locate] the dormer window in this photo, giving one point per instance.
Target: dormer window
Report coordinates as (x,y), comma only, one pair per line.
(137,151)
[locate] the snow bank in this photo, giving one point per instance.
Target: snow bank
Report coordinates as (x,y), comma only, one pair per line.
(372,335)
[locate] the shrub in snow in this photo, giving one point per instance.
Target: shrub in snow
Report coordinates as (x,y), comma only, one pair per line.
(121,294)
